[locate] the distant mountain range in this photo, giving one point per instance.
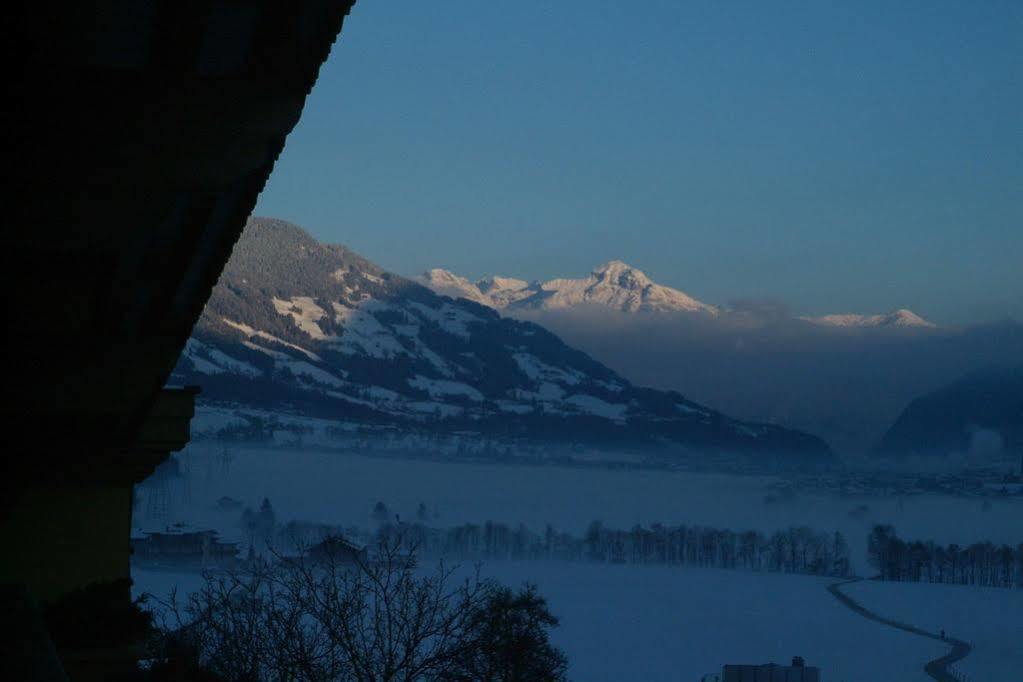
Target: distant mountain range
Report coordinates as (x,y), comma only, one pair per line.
(617,286)
(614,285)
(299,327)
(981,411)
(842,377)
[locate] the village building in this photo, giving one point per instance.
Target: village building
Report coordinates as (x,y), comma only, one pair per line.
(337,550)
(180,546)
(798,671)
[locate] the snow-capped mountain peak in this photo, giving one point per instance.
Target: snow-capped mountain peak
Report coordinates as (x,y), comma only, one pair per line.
(447,283)
(614,284)
(495,283)
(902,317)
(622,273)
(617,285)
(440,275)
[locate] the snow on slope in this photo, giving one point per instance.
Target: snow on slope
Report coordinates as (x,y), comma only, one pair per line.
(209,360)
(447,283)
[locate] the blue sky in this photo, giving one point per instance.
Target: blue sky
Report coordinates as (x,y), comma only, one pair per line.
(839,157)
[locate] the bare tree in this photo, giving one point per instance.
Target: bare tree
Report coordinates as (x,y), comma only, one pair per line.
(982,563)
(510,641)
(348,618)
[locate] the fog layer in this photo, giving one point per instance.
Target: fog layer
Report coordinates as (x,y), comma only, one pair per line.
(758,362)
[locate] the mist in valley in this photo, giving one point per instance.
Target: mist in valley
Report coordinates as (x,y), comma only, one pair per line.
(759,361)
(225,486)
(343,489)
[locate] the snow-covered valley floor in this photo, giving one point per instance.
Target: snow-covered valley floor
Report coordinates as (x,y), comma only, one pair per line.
(640,622)
(621,623)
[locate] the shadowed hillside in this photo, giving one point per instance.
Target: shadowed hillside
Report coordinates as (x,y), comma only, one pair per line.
(981,411)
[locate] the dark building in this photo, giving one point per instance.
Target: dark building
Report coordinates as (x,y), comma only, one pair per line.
(771,672)
(337,550)
(178,546)
(141,133)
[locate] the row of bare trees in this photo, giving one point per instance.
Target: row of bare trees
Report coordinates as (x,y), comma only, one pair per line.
(793,550)
(982,563)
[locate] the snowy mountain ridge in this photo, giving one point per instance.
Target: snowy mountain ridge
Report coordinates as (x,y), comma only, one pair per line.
(312,329)
(619,286)
(614,285)
(897,318)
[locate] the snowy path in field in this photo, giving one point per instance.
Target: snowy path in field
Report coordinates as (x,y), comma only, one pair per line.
(655,623)
(665,624)
(990,619)
(938,668)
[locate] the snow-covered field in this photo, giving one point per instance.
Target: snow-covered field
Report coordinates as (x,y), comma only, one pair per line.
(626,623)
(340,488)
(990,619)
